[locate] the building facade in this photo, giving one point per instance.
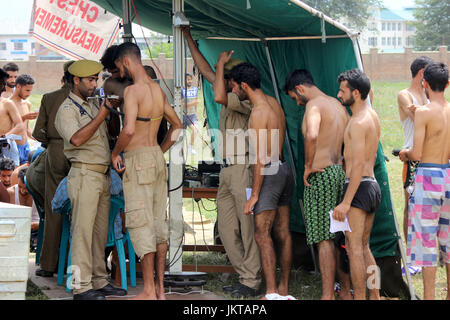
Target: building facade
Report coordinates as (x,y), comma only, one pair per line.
(388,30)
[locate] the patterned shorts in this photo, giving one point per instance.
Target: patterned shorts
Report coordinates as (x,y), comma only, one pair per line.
(429,216)
(323,195)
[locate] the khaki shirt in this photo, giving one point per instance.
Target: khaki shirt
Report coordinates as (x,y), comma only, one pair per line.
(44,128)
(233,124)
(70,119)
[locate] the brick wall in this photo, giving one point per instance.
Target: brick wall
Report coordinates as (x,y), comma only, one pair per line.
(47,74)
(396,66)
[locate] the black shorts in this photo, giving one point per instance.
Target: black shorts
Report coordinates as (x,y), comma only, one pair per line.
(276,190)
(368,195)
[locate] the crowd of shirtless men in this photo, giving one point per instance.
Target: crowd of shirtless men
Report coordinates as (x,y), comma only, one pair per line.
(340,154)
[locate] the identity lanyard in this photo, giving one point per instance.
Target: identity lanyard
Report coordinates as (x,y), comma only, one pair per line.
(82,110)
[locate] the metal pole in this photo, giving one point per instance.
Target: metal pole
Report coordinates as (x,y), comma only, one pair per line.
(176,159)
(400,241)
(126,17)
(294,172)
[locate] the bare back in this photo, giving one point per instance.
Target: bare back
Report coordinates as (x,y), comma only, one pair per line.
(8,116)
(361,138)
(333,121)
(146,100)
(279,113)
(264,119)
(435,131)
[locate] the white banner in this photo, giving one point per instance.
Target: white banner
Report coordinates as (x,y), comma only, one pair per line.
(77,29)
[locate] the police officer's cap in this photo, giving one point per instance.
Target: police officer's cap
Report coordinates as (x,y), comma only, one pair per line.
(85,68)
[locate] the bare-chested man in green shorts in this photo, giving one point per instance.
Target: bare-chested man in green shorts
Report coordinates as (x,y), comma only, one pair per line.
(323,127)
(362,193)
(145,170)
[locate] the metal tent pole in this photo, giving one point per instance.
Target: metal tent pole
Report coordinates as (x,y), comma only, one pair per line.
(400,242)
(176,156)
(277,96)
(126,16)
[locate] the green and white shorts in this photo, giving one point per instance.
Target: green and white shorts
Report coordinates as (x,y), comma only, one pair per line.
(322,196)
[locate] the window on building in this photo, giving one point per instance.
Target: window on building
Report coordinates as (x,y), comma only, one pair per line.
(383,26)
(399,41)
(389,41)
(399,27)
(394,26)
(3,46)
(373,42)
(393,41)
(18,46)
(409,27)
(373,26)
(383,41)
(389,26)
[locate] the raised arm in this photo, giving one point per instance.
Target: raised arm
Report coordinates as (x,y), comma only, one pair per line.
(203,65)
(220,93)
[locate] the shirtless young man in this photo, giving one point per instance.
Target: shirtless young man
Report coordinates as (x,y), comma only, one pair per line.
(323,128)
(429,203)
(362,194)
(408,100)
(24,86)
(144,167)
(272,179)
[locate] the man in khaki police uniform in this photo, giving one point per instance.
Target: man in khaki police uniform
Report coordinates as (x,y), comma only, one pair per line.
(56,168)
(236,230)
(80,122)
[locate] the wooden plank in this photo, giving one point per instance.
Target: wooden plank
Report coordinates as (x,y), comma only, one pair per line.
(209,268)
(204,248)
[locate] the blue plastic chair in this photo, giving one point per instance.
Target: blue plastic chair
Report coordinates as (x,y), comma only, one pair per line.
(116,206)
(40,211)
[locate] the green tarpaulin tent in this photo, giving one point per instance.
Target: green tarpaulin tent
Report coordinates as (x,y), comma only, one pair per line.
(295,36)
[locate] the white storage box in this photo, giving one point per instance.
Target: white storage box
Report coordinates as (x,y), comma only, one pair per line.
(15,228)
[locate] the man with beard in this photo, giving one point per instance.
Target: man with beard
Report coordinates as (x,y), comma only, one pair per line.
(7,167)
(24,86)
(362,194)
(56,168)
(144,167)
(323,128)
(273,181)
(12,69)
(429,204)
(81,124)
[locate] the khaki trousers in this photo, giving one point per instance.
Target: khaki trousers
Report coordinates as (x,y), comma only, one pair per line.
(236,230)
(56,168)
(89,193)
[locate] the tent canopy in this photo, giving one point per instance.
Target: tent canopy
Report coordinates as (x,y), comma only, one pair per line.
(274,19)
(230,18)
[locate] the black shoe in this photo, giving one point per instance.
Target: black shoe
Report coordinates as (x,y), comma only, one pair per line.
(243,292)
(230,288)
(109,290)
(43,273)
(89,295)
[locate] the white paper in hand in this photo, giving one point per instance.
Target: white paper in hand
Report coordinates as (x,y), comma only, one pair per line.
(336,226)
(248,192)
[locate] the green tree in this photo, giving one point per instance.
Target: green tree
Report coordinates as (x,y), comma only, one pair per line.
(162,47)
(355,12)
(433,24)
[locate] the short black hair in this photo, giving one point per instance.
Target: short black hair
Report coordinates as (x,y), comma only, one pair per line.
(128,48)
(298,77)
(419,63)
(7,164)
(22,174)
(150,72)
(24,80)
(356,80)
(3,79)
(248,73)
(11,66)
(436,74)
(109,56)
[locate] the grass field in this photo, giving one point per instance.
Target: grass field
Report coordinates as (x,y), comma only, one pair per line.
(304,285)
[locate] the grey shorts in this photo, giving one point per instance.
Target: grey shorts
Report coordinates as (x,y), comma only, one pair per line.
(276,189)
